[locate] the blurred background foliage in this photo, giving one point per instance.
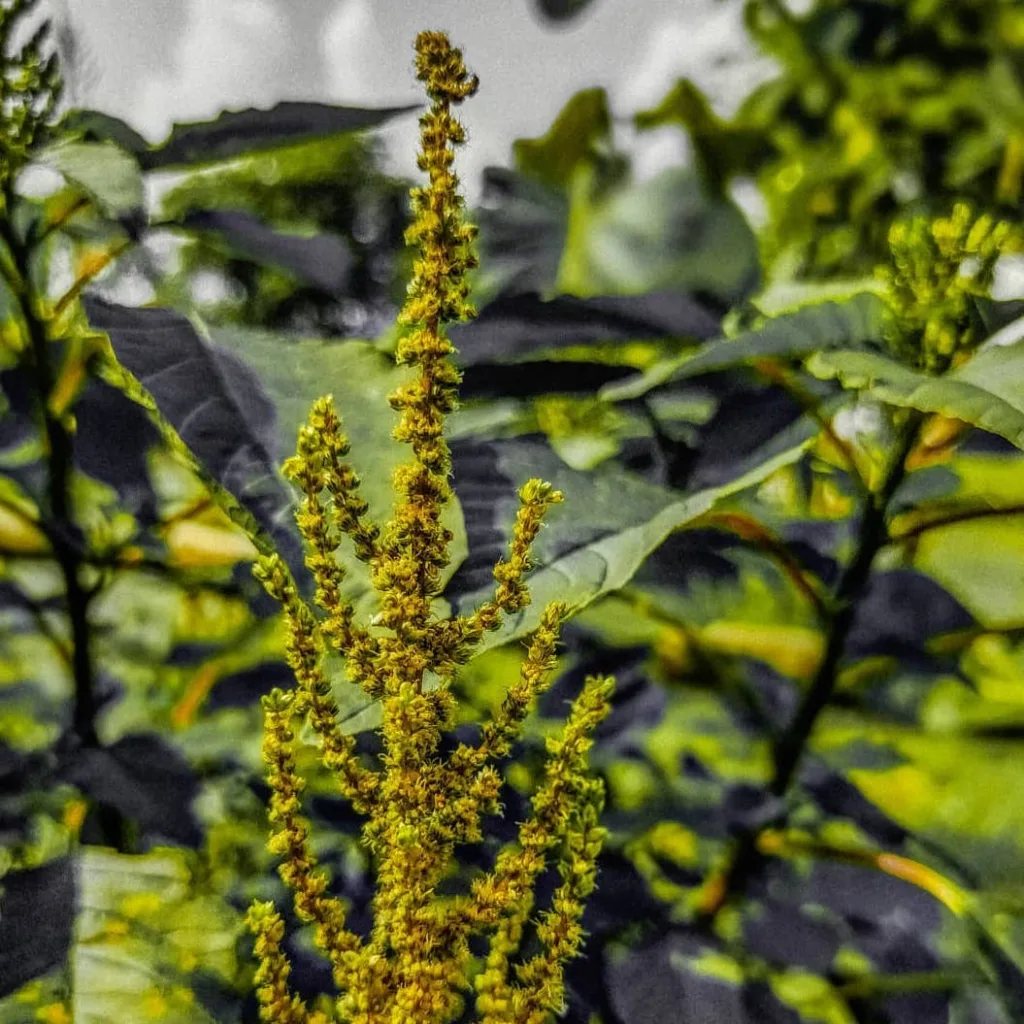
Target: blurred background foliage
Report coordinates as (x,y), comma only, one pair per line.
(801,555)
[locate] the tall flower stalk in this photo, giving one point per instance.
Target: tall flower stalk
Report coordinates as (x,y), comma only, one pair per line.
(416,964)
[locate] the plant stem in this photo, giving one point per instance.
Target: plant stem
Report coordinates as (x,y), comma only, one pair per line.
(872,536)
(60,529)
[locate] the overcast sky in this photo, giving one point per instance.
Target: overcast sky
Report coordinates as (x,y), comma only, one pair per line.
(153,62)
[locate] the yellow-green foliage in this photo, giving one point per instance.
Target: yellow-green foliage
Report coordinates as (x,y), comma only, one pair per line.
(29,89)
(416,966)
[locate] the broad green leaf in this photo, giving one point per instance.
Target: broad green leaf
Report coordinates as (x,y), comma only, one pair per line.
(987,391)
(238,132)
(360,377)
(858,321)
(323,260)
(233,132)
(522,233)
(146,779)
(95,126)
(109,175)
(582,227)
(981,563)
(139,930)
(210,409)
(668,232)
(45,894)
(583,124)
(787,296)
(209,402)
(143,929)
(955,790)
(521,326)
(582,573)
(599,547)
(971,485)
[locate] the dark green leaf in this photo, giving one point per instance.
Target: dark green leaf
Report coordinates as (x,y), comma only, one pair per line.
(145,779)
(214,403)
(858,321)
(608,236)
(514,326)
(95,126)
(232,133)
(668,232)
(238,132)
(322,260)
(37,913)
(522,228)
(593,544)
(360,377)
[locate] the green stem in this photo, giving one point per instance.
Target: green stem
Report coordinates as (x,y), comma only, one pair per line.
(872,536)
(60,530)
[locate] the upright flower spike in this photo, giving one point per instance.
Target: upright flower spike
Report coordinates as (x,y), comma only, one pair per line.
(416,965)
(414,550)
(937,267)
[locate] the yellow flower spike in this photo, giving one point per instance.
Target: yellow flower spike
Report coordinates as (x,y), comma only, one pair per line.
(535,676)
(341,480)
(937,268)
(565,783)
(277,1004)
(416,965)
(538,993)
(316,466)
(290,839)
(455,638)
(304,650)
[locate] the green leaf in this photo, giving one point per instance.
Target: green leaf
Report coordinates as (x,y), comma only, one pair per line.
(987,391)
(238,132)
(109,175)
(603,541)
(582,125)
(857,321)
(45,894)
(522,232)
(981,563)
(722,149)
(668,232)
(297,372)
(145,778)
(137,934)
(521,326)
(232,133)
(210,409)
(592,545)
(143,929)
(323,260)
(569,220)
(609,236)
(95,126)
